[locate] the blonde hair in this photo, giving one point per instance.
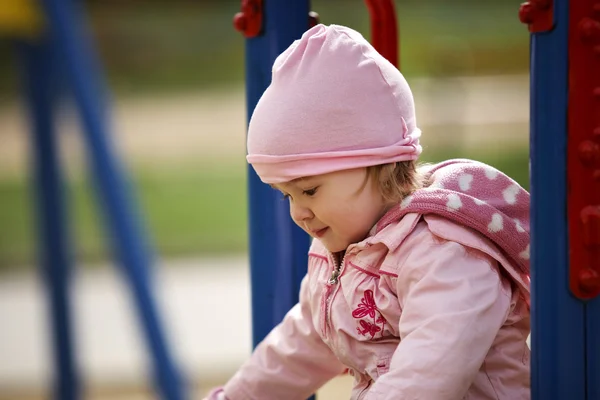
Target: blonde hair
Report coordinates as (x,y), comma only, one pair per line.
(398,180)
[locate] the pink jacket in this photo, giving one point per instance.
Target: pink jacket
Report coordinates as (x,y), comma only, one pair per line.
(426,307)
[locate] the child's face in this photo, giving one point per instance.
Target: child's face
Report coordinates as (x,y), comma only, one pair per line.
(338,208)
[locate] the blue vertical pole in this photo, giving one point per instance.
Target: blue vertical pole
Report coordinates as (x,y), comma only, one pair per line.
(278,248)
(126,233)
(39,77)
(592,314)
(558,337)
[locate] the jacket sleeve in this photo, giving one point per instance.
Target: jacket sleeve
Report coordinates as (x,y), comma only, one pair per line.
(454,303)
(292,362)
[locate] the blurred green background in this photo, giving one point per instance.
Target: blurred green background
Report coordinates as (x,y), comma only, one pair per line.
(167,52)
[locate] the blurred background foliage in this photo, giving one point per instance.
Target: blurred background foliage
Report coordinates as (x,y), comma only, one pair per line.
(148,46)
(173,48)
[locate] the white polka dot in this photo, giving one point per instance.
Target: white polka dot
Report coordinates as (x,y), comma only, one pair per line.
(491,173)
(496,225)
(464,181)
(519,227)
(479,202)
(454,202)
(510,194)
(525,253)
(407,200)
(436,185)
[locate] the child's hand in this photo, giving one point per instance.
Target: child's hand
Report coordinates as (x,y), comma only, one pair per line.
(216,394)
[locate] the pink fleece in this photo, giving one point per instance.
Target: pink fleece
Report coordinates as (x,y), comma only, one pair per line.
(480,197)
(334,103)
(433,304)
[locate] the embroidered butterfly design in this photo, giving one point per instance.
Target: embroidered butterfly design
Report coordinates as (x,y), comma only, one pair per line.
(367,307)
(367,328)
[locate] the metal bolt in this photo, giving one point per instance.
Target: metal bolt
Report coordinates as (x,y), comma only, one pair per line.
(526,13)
(589,29)
(313,19)
(590,228)
(240,22)
(589,153)
(589,280)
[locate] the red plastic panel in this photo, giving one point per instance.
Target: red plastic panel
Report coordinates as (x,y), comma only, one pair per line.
(583,152)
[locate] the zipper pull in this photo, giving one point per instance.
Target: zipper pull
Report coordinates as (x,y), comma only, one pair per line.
(334,277)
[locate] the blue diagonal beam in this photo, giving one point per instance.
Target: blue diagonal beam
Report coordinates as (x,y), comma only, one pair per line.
(39,78)
(127,237)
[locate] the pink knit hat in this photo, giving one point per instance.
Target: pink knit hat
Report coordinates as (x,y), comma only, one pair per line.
(334,103)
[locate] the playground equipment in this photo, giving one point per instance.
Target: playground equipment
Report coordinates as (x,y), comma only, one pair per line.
(55,52)
(565,193)
(565,176)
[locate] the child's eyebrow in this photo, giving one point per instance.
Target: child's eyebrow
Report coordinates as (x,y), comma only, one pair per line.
(293,181)
(275,187)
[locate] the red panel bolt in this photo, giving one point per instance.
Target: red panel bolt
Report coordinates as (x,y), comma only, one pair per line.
(596,134)
(313,19)
(527,13)
(596,175)
(249,20)
(589,153)
(589,280)
(589,29)
(596,92)
(240,22)
(590,219)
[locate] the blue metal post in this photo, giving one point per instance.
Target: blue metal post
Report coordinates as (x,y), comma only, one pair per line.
(127,236)
(278,248)
(39,77)
(592,319)
(558,337)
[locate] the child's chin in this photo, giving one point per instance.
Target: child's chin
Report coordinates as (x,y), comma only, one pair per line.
(334,247)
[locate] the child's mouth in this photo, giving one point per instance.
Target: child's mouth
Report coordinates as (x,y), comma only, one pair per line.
(320,232)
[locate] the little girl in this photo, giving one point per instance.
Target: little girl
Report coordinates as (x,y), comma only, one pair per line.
(417,280)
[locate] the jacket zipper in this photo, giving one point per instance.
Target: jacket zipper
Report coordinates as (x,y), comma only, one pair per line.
(330,287)
(364,391)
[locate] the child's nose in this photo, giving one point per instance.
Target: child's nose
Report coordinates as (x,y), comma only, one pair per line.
(300,213)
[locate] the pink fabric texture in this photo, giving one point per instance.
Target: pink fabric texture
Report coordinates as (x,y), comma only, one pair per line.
(480,197)
(433,304)
(334,103)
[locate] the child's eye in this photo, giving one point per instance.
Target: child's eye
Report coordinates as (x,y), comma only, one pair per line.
(310,192)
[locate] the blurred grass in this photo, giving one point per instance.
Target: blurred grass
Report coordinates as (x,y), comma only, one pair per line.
(166,46)
(188,211)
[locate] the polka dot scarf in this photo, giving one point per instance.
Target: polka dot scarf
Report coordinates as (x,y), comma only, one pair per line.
(478,196)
